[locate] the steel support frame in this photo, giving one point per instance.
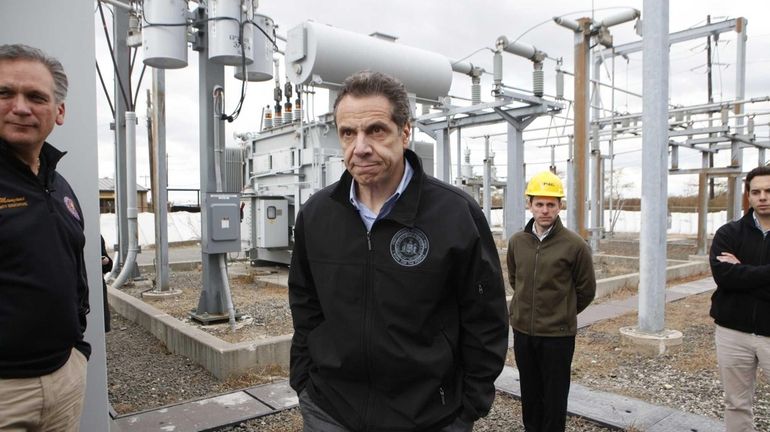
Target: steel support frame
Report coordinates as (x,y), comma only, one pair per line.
(438,125)
(210,75)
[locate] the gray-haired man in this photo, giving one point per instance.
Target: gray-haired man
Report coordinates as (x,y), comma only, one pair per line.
(43,287)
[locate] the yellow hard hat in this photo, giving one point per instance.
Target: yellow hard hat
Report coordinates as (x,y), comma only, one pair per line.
(546,184)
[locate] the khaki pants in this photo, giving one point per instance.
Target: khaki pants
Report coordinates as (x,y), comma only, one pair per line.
(50,403)
(738,355)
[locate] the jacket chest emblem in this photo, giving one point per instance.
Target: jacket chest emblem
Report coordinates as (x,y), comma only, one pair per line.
(409,247)
(71,207)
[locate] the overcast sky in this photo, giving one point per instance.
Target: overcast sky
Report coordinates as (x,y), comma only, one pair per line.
(457,29)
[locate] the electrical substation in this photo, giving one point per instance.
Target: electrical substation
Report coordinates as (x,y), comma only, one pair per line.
(253,183)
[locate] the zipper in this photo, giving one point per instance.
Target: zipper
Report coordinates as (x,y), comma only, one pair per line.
(443,395)
(534,279)
(367,329)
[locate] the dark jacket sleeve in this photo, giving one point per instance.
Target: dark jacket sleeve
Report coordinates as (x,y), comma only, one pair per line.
(483,323)
(106,267)
(585,278)
(305,308)
(737,277)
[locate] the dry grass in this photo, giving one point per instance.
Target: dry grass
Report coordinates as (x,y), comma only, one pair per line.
(599,350)
(254,377)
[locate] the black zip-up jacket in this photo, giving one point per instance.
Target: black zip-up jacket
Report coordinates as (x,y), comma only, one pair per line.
(43,286)
(742,298)
(402,328)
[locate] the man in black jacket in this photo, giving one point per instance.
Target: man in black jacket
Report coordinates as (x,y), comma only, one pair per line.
(43,287)
(395,285)
(740,306)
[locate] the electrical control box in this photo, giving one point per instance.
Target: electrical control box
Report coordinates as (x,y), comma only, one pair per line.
(223,228)
(272,223)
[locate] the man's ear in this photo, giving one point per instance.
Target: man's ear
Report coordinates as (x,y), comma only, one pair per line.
(60,114)
(406,132)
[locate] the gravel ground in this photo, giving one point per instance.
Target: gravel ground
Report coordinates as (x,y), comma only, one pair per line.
(142,374)
(504,416)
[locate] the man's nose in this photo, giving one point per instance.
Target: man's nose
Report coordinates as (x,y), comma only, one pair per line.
(21,105)
(361,144)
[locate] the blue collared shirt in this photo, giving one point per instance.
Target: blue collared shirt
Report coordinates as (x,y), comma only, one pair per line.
(368,216)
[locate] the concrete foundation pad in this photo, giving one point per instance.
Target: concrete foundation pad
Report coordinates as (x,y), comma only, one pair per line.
(223,359)
(653,344)
(155,295)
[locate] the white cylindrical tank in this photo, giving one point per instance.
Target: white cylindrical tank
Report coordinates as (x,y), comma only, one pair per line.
(164,33)
(261,69)
(317,52)
(225,17)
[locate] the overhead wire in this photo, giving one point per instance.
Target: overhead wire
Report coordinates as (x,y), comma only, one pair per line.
(104,87)
(126,99)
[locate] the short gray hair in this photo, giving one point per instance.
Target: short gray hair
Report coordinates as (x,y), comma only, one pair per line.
(368,83)
(26,52)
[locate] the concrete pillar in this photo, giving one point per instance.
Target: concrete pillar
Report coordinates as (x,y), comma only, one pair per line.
(652,242)
(160,179)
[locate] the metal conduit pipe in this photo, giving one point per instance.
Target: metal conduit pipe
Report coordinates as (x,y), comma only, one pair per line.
(131,211)
(219,102)
(115,266)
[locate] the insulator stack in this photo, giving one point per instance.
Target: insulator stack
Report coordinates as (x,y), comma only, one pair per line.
(476,93)
(538,82)
(268,124)
(298,110)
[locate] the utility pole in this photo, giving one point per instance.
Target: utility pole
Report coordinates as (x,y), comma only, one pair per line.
(582,47)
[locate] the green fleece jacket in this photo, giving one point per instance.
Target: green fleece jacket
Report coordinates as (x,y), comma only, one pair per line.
(552,281)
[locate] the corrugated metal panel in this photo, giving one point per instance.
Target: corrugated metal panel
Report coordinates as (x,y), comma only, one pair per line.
(233,169)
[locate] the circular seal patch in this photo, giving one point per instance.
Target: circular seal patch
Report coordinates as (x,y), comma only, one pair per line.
(71,207)
(409,247)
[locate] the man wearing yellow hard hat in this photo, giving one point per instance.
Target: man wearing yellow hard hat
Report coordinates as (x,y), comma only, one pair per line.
(552,276)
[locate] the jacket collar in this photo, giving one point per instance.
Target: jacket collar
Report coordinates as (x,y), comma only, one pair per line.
(405,211)
(49,156)
(557,226)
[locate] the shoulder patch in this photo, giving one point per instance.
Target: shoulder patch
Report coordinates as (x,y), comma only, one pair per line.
(71,207)
(409,247)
